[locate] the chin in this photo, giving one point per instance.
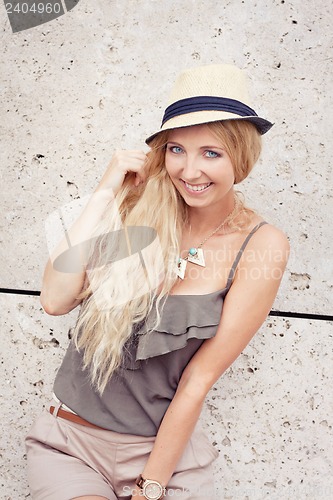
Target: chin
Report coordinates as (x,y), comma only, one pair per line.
(196,203)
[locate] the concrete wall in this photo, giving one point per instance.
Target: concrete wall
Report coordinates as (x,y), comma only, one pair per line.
(97,79)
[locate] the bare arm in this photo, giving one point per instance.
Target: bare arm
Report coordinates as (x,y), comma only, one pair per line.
(245,309)
(60,289)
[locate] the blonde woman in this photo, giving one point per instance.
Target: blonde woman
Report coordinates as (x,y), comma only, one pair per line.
(174,275)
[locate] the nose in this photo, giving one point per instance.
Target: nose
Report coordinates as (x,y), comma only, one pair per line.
(191,169)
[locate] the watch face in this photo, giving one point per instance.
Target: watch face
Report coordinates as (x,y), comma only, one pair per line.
(153,491)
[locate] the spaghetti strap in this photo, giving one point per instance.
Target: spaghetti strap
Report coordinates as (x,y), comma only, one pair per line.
(240,253)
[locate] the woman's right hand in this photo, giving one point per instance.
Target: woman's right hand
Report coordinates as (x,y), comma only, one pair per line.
(122,164)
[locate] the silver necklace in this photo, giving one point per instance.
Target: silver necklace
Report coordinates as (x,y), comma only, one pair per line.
(195,254)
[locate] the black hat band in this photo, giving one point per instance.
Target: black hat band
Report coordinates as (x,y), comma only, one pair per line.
(207,103)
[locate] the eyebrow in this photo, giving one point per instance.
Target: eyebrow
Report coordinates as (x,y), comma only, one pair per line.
(201,147)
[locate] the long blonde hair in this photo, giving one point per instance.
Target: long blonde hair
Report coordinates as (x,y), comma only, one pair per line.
(116,296)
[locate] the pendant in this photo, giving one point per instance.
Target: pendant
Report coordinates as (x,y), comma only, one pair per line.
(181,267)
(196,256)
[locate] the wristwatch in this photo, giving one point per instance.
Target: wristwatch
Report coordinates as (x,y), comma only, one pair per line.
(152,490)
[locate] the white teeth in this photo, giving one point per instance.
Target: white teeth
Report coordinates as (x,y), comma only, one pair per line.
(197,188)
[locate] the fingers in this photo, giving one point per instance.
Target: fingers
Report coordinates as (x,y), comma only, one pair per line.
(131,161)
(122,164)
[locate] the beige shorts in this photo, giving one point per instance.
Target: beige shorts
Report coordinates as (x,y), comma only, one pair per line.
(68,460)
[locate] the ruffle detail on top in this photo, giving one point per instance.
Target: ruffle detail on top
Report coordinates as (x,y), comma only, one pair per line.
(183,317)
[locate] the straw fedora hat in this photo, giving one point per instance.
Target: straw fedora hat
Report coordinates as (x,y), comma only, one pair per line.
(207,94)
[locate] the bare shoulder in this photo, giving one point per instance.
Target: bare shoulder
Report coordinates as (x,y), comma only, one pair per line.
(268,246)
(271,236)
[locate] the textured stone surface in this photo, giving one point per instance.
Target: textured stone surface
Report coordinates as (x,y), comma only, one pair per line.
(97,79)
(271,415)
(32,348)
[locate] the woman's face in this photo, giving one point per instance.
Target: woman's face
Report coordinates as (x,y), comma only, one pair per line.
(198,166)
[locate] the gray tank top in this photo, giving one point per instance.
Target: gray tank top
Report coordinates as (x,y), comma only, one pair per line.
(138,395)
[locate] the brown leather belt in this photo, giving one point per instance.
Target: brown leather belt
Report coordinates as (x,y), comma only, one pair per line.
(67,415)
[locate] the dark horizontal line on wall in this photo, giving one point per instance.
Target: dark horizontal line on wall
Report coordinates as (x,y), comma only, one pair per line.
(19,292)
(286,314)
(283,314)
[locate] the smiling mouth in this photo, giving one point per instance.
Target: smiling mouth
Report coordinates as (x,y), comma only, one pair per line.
(197,187)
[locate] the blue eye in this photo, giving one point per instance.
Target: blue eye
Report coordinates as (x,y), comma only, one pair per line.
(211,154)
(175,149)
